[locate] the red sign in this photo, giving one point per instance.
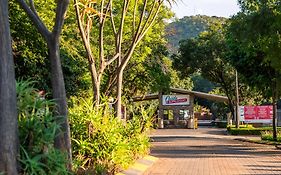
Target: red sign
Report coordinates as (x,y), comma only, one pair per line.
(249,112)
(258,113)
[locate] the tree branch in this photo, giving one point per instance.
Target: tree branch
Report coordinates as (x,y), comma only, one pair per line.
(60,14)
(141,20)
(137,39)
(148,18)
(134,16)
(112,19)
(32,7)
(84,38)
(144,31)
(108,62)
(120,31)
(43,30)
(103,16)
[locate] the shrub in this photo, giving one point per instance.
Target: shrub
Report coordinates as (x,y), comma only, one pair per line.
(240,126)
(267,135)
(37,130)
(103,143)
(247,130)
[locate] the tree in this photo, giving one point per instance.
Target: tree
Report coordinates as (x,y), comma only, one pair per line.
(8,103)
(206,54)
(30,50)
(147,72)
(254,39)
(141,14)
(62,141)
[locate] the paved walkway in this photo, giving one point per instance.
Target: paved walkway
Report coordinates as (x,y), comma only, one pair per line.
(208,151)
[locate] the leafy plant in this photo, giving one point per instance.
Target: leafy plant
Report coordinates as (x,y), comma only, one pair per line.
(248,130)
(267,135)
(103,143)
(37,130)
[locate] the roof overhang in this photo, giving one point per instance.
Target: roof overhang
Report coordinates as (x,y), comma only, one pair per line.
(207,96)
(203,95)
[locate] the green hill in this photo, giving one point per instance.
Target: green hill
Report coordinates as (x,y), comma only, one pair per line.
(187,27)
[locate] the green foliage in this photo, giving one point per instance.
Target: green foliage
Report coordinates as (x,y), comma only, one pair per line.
(254,38)
(37,130)
(247,130)
(267,135)
(258,73)
(101,142)
(31,54)
(240,126)
(206,55)
(148,70)
(187,28)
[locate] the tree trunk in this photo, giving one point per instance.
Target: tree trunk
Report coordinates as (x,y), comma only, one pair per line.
(274,119)
(119,94)
(62,141)
(8,103)
(96,93)
(230,106)
(95,84)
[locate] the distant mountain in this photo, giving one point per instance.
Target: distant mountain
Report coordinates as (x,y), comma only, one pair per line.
(187,27)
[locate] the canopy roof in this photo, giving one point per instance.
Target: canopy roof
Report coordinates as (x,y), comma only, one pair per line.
(207,96)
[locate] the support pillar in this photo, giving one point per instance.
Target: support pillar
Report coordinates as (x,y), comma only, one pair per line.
(176,113)
(161,112)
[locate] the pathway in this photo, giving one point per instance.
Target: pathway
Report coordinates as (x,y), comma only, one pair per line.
(208,151)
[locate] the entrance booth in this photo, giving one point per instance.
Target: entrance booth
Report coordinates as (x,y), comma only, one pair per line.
(176,110)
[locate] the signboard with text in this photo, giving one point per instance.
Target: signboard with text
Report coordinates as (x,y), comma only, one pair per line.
(175,100)
(256,114)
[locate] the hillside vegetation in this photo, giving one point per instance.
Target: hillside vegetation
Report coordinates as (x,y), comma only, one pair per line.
(188,27)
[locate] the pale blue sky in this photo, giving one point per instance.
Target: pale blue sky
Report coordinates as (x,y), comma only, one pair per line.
(224,8)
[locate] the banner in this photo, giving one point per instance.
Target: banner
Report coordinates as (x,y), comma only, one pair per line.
(256,114)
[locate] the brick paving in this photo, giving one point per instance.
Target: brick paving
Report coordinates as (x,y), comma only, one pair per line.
(208,151)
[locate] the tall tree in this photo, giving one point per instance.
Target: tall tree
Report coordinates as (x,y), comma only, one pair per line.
(207,54)
(52,39)
(111,20)
(8,104)
(254,38)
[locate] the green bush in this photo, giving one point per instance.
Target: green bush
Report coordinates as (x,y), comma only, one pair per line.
(101,142)
(247,130)
(37,130)
(267,135)
(240,126)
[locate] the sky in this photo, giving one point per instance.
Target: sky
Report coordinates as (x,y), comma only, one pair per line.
(222,8)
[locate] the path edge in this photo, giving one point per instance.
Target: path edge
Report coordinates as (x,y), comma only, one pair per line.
(140,166)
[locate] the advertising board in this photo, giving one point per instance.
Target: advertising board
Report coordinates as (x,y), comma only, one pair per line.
(256,114)
(175,100)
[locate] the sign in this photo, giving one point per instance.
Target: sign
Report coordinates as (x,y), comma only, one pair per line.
(256,114)
(175,100)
